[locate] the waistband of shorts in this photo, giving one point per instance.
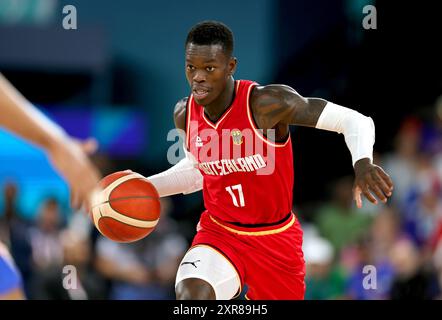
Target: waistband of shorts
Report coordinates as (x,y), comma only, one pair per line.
(259,230)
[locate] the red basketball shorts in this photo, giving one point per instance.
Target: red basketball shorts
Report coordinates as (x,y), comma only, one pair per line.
(269,260)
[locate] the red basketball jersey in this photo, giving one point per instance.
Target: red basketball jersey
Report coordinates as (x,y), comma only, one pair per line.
(247,178)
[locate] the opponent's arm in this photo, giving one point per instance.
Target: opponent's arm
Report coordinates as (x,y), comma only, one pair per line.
(68,155)
(278,106)
(182,177)
(11,284)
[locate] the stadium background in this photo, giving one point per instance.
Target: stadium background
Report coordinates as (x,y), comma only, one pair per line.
(117,78)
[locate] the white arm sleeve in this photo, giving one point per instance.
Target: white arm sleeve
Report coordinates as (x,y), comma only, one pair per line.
(183,177)
(358,130)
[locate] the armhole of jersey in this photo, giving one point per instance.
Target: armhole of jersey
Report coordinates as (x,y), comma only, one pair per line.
(254,125)
(187,121)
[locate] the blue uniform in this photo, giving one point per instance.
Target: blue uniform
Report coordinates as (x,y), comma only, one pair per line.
(10,278)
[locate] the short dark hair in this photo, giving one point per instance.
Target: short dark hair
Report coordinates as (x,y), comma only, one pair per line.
(211,32)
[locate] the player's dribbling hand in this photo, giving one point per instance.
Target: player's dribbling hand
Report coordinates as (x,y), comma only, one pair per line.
(369,179)
(70,158)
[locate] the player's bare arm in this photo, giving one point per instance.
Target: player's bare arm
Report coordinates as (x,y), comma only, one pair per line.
(67,155)
(278,106)
(179,114)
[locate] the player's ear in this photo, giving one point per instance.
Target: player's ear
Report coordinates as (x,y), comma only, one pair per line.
(232,66)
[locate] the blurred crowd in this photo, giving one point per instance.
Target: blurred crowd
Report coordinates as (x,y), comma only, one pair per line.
(47,250)
(389,251)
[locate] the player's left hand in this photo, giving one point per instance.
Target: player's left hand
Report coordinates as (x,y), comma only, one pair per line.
(369,179)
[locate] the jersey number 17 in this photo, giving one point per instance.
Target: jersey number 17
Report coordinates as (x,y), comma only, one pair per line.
(237,187)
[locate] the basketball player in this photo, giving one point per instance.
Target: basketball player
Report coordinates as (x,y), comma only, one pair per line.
(66,154)
(248,233)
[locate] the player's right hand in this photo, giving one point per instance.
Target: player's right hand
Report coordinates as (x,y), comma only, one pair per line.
(70,158)
(370,178)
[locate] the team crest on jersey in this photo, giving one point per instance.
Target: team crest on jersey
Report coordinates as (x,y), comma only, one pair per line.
(237,137)
(198,142)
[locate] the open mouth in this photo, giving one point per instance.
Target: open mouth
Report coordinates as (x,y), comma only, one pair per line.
(200,94)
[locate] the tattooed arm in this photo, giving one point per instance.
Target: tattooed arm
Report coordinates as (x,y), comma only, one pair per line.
(278,106)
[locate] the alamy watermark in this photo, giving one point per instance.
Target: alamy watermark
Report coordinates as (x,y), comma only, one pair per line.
(370,280)
(69,17)
(70,277)
(370,20)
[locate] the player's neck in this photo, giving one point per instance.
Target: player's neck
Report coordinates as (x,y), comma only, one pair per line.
(217,107)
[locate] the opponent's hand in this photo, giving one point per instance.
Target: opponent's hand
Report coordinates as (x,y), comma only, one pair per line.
(369,179)
(70,158)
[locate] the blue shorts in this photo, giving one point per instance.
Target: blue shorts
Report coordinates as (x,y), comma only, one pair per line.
(10,278)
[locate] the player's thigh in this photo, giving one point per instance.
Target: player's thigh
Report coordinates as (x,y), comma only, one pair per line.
(276,286)
(205,264)
(276,268)
(194,289)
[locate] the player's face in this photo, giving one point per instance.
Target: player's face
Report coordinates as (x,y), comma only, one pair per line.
(208,69)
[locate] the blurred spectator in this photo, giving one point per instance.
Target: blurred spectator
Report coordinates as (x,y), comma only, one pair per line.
(146,269)
(401,163)
(339,221)
(374,251)
(84,284)
(323,279)
(412,281)
(422,209)
(46,244)
(370,279)
(9,214)
(385,232)
(47,251)
(78,253)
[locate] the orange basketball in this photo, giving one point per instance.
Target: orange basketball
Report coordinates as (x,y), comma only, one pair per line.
(126,208)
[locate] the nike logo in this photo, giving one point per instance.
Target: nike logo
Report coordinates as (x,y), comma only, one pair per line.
(193,263)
